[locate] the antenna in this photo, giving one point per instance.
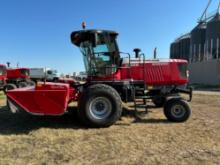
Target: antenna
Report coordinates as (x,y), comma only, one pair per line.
(205,12)
(83,25)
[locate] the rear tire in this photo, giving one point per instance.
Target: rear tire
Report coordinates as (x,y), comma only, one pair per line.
(100,106)
(177,110)
(8,87)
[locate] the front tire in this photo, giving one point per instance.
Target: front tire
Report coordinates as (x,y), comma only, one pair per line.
(100,106)
(177,110)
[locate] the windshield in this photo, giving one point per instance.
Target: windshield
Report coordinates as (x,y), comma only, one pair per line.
(2,70)
(25,72)
(101,58)
(52,72)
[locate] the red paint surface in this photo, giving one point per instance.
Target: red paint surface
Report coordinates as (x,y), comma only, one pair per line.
(44,99)
(152,72)
(17,73)
(53,98)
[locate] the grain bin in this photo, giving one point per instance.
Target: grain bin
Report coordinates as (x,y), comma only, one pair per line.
(213,37)
(198,37)
(180,48)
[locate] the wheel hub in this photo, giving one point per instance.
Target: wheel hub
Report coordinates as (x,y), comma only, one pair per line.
(178,111)
(100,108)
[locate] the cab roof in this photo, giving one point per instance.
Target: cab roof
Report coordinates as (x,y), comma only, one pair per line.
(76,36)
(95,31)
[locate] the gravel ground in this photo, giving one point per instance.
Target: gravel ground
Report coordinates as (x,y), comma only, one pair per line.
(26,139)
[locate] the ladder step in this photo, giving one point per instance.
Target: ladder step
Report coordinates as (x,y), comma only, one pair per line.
(139,101)
(141,106)
(142,97)
(139,89)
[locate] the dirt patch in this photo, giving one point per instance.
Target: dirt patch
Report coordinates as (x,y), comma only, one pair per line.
(26,139)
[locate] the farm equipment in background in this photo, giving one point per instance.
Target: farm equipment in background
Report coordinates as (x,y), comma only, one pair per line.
(42,74)
(112,79)
(82,76)
(3,76)
(18,78)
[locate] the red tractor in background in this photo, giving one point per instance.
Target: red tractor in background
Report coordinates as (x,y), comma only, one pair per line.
(3,76)
(113,77)
(18,78)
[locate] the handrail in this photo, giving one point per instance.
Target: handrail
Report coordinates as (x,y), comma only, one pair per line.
(144,69)
(129,63)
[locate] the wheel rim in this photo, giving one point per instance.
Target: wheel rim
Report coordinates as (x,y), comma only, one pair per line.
(178,111)
(100,108)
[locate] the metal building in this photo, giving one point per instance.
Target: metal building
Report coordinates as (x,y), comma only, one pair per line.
(197,42)
(201,47)
(174,50)
(180,48)
(212,37)
(205,72)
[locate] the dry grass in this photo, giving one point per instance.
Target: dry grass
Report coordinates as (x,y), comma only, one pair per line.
(26,139)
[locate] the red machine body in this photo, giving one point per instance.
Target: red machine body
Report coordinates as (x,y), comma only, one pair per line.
(44,99)
(53,98)
(152,72)
(72,82)
(111,80)
(18,73)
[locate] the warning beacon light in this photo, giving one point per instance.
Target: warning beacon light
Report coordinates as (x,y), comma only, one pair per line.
(84,25)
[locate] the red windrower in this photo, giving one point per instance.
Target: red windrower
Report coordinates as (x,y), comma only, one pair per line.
(111,81)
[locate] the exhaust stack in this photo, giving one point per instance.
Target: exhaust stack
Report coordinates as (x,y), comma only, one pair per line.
(137,52)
